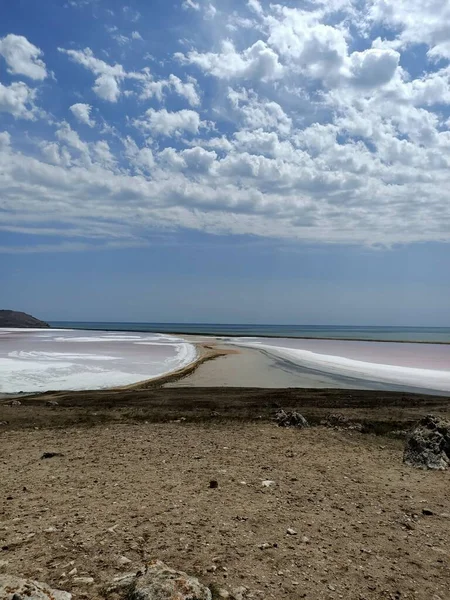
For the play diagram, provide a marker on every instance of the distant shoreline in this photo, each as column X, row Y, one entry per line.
column 212, row 334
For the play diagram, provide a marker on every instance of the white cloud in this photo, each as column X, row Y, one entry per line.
column 256, row 113
column 5, row 140
column 187, row 4
column 416, row 22
column 18, row 100
column 22, row 57
column 135, row 35
column 156, row 88
column 294, row 135
column 207, row 9
column 107, row 88
column 188, row 90
column 140, row 158
column 373, row 67
column 307, row 44
column 163, row 122
column 102, row 153
column 255, row 6
column 257, row 62
column 51, row 152
column 108, row 76
column 82, row 112
column 198, row 159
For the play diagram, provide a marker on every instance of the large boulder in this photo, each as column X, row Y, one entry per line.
column 290, row 419
column 15, row 588
column 428, row 445
column 159, row 582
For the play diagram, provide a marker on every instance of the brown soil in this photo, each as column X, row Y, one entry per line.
column 136, row 485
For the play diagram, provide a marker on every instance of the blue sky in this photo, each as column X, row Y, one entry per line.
column 226, row 161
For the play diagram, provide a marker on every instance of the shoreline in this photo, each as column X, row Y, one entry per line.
column 251, row 366
column 269, row 336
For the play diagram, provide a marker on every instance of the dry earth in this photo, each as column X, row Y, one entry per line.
column 141, row 491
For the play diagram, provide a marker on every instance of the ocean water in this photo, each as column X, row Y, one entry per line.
column 38, row 360
column 398, row 334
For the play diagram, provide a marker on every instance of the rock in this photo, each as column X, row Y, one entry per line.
column 268, row 483
column 121, row 584
column 51, row 403
column 26, row 589
column 290, row 419
column 239, row 593
column 123, row 561
column 213, row 484
column 428, row 445
column 15, row 403
column 83, row 580
column 265, row 546
column 340, row 421
column 305, row 539
column 51, row 455
column 291, row 531
column 427, row 512
column 160, row 582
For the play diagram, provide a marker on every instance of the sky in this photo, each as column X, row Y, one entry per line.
column 226, row 161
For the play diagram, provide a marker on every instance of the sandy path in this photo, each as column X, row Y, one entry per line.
column 254, row 368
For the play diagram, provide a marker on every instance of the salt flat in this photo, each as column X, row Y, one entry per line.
column 34, row 360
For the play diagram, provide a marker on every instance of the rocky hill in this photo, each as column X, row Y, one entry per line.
column 12, row 318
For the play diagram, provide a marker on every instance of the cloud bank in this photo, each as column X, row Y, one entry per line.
column 328, row 124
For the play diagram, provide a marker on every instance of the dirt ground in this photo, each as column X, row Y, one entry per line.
column 141, row 490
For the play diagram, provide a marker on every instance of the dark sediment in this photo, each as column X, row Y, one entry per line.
column 378, row 411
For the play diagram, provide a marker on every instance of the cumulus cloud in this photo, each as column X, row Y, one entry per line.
column 82, row 112
column 305, row 127
column 141, row 159
column 22, row 57
column 258, row 62
column 156, row 88
column 108, row 77
column 18, row 100
column 307, row 44
column 415, row 22
column 163, row 122
column 373, row 67
column 256, row 113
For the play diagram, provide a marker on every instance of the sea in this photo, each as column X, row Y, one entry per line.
column 334, row 332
